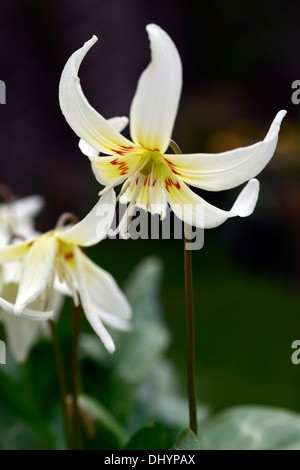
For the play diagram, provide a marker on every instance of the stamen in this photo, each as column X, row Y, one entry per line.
column 111, row 186
column 123, row 226
column 151, row 197
column 124, row 189
column 60, row 271
column 137, row 172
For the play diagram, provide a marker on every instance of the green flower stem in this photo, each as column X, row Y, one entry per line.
column 62, row 381
column 190, row 330
column 74, row 377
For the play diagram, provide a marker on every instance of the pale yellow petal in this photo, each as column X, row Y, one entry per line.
column 87, row 123
column 226, row 170
column 195, row 211
column 154, row 106
column 94, row 227
column 38, row 268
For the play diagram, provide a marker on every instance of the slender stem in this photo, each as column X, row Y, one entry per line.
column 175, row 147
column 190, row 333
column 190, row 330
column 65, row 217
column 74, row 377
column 61, row 380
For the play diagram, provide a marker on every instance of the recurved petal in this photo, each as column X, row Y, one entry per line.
column 89, row 306
column 154, row 106
column 14, row 251
column 226, row 170
column 195, row 211
column 26, row 313
column 118, row 123
column 101, row 298
column 38, row 268
column 94, row 227
column 87, row 123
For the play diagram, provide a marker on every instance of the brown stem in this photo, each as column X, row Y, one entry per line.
column 61, row 380
column 74, row 377
column 189, row 309
column 190, row 332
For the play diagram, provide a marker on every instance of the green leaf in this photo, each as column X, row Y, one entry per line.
column 17, row 400
column 97, row 414
column 187, row 441
column 149, row 337
column 252, row 428
column 161, row 399
column 149, row 437
column 139, row 351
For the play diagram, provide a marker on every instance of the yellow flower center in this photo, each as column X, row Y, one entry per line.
column 153, row 158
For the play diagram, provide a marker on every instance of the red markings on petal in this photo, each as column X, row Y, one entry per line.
column 69, row 256
column 169, row 182
column 171, row 166
column 122, row 150
column 147, row 180
column 123, row 168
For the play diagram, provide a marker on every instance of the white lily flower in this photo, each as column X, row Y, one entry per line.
column 16, row 217
column 22, row 333
column 149, row 174
column 57, row 253
column 16, row 220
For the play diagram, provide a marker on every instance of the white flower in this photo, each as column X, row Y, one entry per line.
column 22, row 333
column 150, row 174
column 57, row 253
column 16, row 218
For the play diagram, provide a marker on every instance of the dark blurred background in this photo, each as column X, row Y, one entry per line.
column 239, row 62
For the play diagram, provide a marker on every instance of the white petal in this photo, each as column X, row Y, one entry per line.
column 94, row 226
column 61, row 287
column 12, row 272
column 112, row 170
column 118, row 123
column 154, row 106
column 115, row 322
column 103, row 288
column 38, row 269
column 101, row 298
column 27, row 207
column 26, row 313
column 82, row 118
column 227, row 170
column 89, row 307
column 21, row 334
column 195, row 211
column 246, row 200
column 11, row 252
